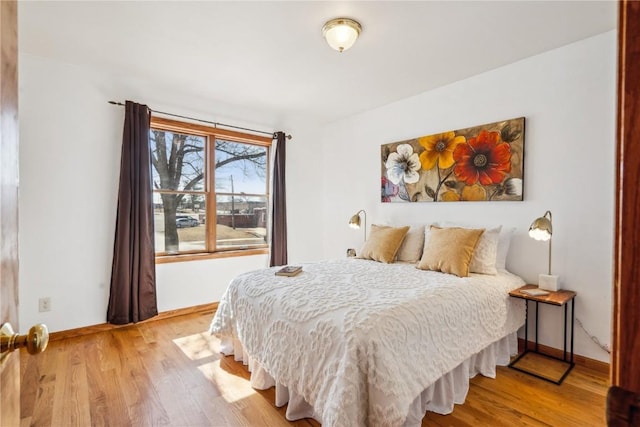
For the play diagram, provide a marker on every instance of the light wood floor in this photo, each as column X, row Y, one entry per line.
column 169, row 372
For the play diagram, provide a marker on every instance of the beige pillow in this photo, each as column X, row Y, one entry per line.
column 450, row 250
column 383, row 243
column 486, row 251
column 412, row 245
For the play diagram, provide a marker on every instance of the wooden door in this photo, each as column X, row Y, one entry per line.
column 10, row 366
column 625, row 369
column 623, row 400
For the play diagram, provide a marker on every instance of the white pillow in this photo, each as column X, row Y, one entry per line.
column 485, row 255
column 427, row 232
column 412, row 245
column 504, row 241
column 484, row 260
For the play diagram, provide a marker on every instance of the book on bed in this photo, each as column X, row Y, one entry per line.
column 289, row 270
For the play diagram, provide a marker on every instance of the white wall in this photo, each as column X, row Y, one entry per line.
column 568, row 98
column 70, row 151
column 70, row 140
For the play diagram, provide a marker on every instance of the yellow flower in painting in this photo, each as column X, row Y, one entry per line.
column 470, row 193
column 450, row 196
column 473, row 193
column 438, row 149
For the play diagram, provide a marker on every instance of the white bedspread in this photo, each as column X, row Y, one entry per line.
column 360, row 340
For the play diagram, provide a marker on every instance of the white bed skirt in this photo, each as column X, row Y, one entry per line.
column 439, row 397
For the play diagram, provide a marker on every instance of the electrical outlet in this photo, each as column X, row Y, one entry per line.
column 44, row 304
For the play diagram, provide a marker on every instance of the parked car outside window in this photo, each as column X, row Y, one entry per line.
column 187, row 221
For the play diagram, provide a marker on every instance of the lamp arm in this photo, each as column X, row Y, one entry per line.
column 365, row 223
column 549, row 256
column 550, row 222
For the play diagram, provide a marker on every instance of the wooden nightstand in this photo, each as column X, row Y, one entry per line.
column 558, row 298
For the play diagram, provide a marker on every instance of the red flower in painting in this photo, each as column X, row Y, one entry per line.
column 485, row 158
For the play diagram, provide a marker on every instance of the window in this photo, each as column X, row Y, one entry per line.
column 210, row 190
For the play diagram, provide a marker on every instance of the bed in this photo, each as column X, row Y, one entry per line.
column 354, row 342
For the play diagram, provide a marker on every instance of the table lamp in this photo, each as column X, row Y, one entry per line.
column 354, row 222
column 541, row 229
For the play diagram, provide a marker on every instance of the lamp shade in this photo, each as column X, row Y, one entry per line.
column 541, row 228
column 354, row 222
column 341, row 33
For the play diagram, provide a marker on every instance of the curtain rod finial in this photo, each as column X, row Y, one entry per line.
column 275, row 135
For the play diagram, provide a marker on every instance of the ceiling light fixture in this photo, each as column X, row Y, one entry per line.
column 341, row 33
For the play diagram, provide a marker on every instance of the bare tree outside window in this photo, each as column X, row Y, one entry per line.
column 178, row 169
column 183, row 189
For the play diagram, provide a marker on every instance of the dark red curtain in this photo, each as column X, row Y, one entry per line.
column 279, row 213
column 133, row 273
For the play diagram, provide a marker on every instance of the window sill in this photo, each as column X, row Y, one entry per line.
column 165, row 259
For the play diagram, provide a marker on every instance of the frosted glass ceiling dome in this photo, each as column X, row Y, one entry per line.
column 341, row 33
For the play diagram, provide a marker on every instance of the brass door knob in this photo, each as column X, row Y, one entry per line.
column 35, row 341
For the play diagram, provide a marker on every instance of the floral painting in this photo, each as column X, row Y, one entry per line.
column 473, row 164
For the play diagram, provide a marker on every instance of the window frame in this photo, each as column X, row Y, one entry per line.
column 210, row 134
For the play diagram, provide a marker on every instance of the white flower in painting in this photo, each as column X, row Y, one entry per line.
column 513, row 187
column 403, row 165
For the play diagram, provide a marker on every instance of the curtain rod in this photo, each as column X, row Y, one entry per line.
column 215, row 124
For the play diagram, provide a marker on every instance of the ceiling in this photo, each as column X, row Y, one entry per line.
column 270, row 56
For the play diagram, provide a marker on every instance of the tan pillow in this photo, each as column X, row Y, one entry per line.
column 383, row 243
column 485, row 253
column 450, row 250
